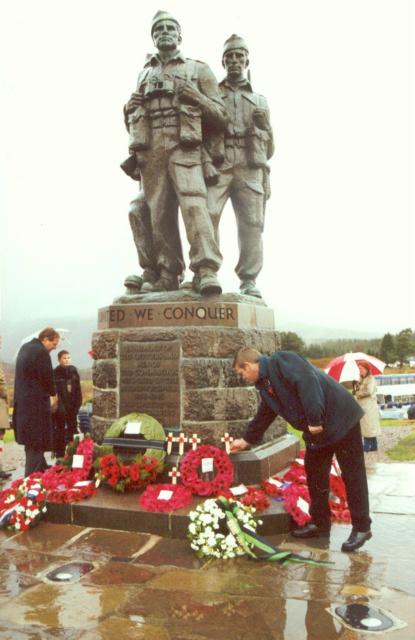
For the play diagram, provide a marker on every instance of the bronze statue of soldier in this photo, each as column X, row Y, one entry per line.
column 175, row 107
column 244, row 174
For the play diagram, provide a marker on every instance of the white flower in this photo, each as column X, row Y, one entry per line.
column 192, row 528
column 230, row 541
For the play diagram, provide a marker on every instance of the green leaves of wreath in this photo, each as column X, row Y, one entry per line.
column 150, row 428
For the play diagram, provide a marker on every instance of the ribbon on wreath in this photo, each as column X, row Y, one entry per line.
column 255, row 545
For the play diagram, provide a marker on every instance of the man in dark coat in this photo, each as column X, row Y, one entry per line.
column 68, row 387
column 33, row 387
column 329, row 418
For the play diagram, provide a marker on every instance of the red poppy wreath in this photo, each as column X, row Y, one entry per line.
column 206, row 460
column 165, row 497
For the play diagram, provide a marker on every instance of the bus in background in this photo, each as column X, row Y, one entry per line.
column 396, row 388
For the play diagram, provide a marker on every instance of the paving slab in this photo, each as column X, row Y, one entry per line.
column 147, row 586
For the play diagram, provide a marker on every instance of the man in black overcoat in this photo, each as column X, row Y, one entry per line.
column 68, row 388
column 329, row 418
column 33, row 387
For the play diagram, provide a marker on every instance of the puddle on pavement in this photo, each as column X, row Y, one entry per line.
column 13, row 583
column 108, row 542
column 28, row 561
column 113, row 573
column 71, row 572
column 170, row 551
column 63, row 606
column 45, row 537
column 127, row 629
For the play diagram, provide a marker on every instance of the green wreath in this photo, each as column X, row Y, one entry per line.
column 151, row 429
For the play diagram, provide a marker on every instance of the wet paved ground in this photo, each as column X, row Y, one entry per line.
column 146, row 587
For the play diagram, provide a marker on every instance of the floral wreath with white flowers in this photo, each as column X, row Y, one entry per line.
column 209, row 533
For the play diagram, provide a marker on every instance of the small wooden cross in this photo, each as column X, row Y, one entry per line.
column 174, row 474
column 170, row 439
column 227, row 439
column 181, row 439
column 194, row 440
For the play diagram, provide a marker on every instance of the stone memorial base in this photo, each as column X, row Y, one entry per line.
column 121, row 511
column 170, row 355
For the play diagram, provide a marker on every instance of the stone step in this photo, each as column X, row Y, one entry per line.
column 110, row 510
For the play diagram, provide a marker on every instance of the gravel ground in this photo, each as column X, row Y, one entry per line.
column 13, row 456
column 391, row 436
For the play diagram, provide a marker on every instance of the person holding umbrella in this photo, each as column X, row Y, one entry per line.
column 365, row 393
column 329, row 418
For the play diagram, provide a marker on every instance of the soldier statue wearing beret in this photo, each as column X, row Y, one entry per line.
column 244, row 174
column 175, row 107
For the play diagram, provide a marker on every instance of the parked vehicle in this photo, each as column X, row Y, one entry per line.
column 393, row 412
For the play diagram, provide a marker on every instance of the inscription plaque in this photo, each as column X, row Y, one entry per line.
column 149, row 380
column 186, row 314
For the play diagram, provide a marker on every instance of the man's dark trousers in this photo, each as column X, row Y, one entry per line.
column 349, row 454
column 35, row 461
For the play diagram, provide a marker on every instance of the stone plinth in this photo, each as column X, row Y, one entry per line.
column 170, row 355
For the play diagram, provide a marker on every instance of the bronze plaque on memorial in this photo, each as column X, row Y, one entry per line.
column 149, row 380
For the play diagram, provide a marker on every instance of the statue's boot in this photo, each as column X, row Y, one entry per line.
column 166, row 282
column 209, row 283
column 150, row 278
column 249, row 288
column 133, row 285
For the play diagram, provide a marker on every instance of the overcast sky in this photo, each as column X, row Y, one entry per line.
column 338, row 75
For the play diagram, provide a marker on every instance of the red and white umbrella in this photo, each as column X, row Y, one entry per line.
column 345, row 368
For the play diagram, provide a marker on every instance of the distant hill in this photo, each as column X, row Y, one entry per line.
column 77, row 340
column 316, row 334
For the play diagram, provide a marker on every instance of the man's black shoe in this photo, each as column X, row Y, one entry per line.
column 4, row 475
column 356, row 540
column 311, row 531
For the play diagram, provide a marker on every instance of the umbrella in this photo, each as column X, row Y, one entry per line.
column 345, row 368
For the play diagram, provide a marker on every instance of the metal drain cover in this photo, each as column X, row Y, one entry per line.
column 360, row 616
column 70, row 572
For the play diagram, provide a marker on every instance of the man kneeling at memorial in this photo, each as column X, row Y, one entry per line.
column 329, row 418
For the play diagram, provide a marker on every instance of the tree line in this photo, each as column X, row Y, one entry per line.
column 390, row 348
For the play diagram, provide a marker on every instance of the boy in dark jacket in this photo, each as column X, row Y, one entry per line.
column 329, row 418
column 68, row 387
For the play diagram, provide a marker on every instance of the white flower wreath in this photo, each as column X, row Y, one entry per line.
column 209, row 534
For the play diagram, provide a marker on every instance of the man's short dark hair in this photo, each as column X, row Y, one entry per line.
column 48, row 334
column 246, row 354
column 62, row 353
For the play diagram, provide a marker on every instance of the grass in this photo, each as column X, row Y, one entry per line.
column 8, row 436
column 295, row 432
column 397, row 423
column 404, row 450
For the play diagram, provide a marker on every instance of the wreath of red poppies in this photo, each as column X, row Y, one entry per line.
column 253, row 497
column 293, row 497
column 128, row 477
column 180, row 497
column 293, row 485
column 190, row 470
column 66, row 484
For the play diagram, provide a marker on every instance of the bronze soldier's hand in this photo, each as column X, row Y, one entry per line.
column 188, row 94
column 210, row 174
column 261, row 118
column 135, row 101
